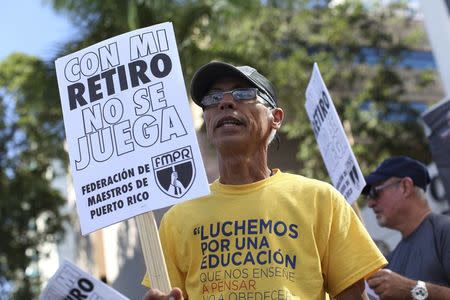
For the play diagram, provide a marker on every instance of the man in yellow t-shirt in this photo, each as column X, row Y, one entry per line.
column 261, row 233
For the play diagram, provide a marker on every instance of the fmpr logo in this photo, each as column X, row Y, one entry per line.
column 174, row 171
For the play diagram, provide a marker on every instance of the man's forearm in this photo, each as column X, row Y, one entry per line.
column 437, row 292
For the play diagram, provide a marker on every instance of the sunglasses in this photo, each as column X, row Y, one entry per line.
column 240, row 95
column 374, row 192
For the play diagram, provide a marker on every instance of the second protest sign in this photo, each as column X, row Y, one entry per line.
column 336, row 151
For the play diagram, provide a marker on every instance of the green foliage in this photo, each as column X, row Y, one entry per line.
column 30, row 140
column 285, row 42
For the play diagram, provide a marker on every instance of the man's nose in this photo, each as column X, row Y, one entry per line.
column 227, row 102
column 371, row 202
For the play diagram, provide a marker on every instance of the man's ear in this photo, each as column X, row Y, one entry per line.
column 278, row 116
column 407, row 185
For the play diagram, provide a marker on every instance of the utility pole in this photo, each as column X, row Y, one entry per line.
column 437, row 24
column 437, row 118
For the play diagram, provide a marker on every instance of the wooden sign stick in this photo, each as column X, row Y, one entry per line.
column 152, row 250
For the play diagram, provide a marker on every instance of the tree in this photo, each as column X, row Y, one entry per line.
column 29, row 141
column 285, row 38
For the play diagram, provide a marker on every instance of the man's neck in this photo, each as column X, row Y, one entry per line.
column 414, row 220
column 243, row 168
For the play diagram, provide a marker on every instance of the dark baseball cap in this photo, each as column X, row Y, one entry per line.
column 399, row 166
column 210, row 73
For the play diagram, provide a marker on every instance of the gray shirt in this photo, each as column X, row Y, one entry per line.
column 425, row 254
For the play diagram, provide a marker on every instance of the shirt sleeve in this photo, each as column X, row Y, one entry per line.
column 169, row 238
column 351, row 254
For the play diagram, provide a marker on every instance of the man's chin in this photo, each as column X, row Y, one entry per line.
column 229, row 141
column 381, row 221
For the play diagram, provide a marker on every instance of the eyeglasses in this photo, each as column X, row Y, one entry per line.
column 374, row 192
column 242, row 94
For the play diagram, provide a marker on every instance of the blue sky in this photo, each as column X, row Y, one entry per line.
column 32, row 27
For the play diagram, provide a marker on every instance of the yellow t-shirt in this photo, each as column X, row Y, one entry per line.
column 285, row 237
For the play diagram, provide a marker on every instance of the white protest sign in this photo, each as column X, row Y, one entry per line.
column 336, row 151
column 70, row 282
column 129, row 128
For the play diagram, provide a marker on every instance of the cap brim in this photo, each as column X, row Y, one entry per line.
column 372, row 179
column 210, row 73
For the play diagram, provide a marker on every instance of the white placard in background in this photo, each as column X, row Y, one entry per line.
column 336, row 151
column 70, row 282
column 129, row 128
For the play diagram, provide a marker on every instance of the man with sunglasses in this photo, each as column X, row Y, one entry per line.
column 419, row 266
column 261, row 233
